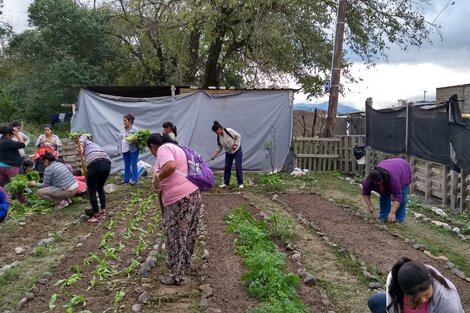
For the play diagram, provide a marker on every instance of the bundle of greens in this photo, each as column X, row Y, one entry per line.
column 19, row 183
column 139, row 138
column 76, row 135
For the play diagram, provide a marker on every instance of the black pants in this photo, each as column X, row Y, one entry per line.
column 238, row 157
column 98, row 173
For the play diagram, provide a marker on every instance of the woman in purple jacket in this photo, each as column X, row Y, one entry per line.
column 390, row 178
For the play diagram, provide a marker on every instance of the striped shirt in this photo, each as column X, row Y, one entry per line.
column 91, row 151
column 58, row 176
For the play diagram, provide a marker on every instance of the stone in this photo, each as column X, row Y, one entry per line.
column 21, row 303
column 147, row 286
column 19, row 250
column 146, row 280
column 110, row 188
column 427, row 219
column 275, row 197
column 42, row 281
column 111, row 214
column 302, row 273
column 456, row 230
column 332, row 244
column 447, row 227
column 442, row 259
column 205, row 254
column 325, row 238
column 460, row 274
column 22, row 223
column 437, row 223
column 289, row 247
column 449, row 265
column 30, row 296
column 212, row 310
column 80, row 244
column 321, row 234
column 136, row 308
column 369, row 275
column 206, row 290
column 35, row 290
column 407, row 240
column 144, row 297
column 140, row 290
column 204, row 303
column 296, row 257
column 418, row 215
column 153, row 253
column 151, row 263
column 429, row 254
column 462, row 237
column 310, row 280
column 419, row 247
column 375, row 285
column 47, row 275
column 454, row 270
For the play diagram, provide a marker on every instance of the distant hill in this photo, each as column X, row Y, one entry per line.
column 309, row 107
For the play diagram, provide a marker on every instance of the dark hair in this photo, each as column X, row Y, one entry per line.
column 159, row 139
column 48, row 126
column 216, row 126
column 77, row 172
column 48, row 156
column 409, row 278
column 378, row 174
column 60, row 160
column 130, row 118
column 15, row 124
column 6, row 130
column 170, row 125
column 27, row 163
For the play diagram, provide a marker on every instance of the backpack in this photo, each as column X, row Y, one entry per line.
column 227, row 132
column 199, row 172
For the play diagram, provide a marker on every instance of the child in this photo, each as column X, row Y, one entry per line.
column 27, row 167
column 4, row 204
column 78, row 175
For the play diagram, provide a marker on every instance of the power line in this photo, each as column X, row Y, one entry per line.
column 445, row 7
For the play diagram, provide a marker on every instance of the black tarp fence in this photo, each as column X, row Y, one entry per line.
column 424, row 132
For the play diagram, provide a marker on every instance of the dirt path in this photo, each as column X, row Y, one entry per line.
column 224, row 267
column 375, row 246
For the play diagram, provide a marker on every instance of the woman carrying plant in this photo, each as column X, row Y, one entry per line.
column 48, row 139
column 17, row 128
column 10, row 159
column 129, row 151
column 4, row 204
column 170, row 130
column 181, row 203
column 415, row 287
column 98, row 166
column 58, row 184
column 229, row 140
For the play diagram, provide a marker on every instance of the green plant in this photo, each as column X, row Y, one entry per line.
column 141, row 246
column 281, row 228
column 118, row 299
column 91, row 258
column 140, row 139
column 103, row 270
column 76, row 300
column 72, row 280
column 132, row 267
column 110, row 253
column 52, row 302
column 269, row 179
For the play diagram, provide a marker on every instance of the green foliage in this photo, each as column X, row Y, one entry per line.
column 269, row 179
column 52, row 302
column 17, row 184
column 140, row 139
column 35, row 206
column 266, row 279
column 76, row 300
column 33, row 176
column 72, row 280
column 281, row 228
column 118, row 299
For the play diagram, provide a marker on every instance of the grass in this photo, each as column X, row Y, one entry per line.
column 281, row 228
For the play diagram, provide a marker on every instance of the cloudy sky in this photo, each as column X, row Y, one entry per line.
column 406, row 75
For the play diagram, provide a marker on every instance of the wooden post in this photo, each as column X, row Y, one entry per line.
column 428, row 181
column 82, row 159
column 454, row 192
column 463, row 190
column 413, row 174
column 368, row 160
column 445, row 184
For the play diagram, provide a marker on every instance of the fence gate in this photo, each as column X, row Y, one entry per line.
column 316, row 154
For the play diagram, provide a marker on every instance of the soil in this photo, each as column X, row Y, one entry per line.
column 373, row 245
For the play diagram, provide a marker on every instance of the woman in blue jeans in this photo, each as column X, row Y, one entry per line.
column 415, row 287
column 390, row 178
column 129, row 151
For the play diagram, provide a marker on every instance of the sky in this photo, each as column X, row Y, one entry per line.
column 405, row 75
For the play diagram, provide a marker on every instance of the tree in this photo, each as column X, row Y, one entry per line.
column 214, row 42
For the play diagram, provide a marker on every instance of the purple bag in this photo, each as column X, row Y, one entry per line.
column 198, row 172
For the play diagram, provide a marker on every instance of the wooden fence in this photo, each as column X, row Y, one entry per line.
column 69, row 153
column 434, row 180
column 328, row 154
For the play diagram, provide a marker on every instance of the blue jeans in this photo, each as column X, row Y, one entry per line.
column 130, row 166
column 377, row 303
column 386, row 205
column 238, row 157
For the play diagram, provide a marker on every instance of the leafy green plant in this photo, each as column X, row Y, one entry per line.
column 76, row 300
column 141, row 246
column 33, row 176
column 269, row 179
column 17, row 184
column 110, row 253
column 104, row 270
column 132, row 267
column 72, row 280
column 91, row 258
column 266, row 279
column 140, row 139
column 52, row 302
column 118, row 299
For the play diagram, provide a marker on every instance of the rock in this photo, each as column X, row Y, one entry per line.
column 21, row 303
column 442, row 259
column 140, row 290
column 460, row 274
column 136, row 308
column 19, row 250
column 429, row 254
column 462, row 237
column 332, row 244
column 144, row 297
column 412, row 242
column 375, row 285
column 296, row 257
column 204, row 303
column 395, row 234
column 206, row 290
column 153, row 253
column 456, row 230
column 80, row 244
column 446, row 227
column 212, row 310
column 418, row 215
column 325, row 238
column 22, row 223
column 407, row 240
column 449, row 265
column 147, row 286
column 302, row 273
column 110, row 188
column 47, row 275
column 111, row 214
column 146, row 280
column 289, row 247
column 205, row 254
column 321, row 234
column 35, row 290
column 42, row 281
column 30, row 296
column 419, row 247
column 426, row 219
column 310, row 280
column 275, row 197
column 151, row 262
column 454, row 270
column 369, row 275
column 437, row 223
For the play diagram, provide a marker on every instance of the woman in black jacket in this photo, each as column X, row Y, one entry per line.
column 10, row 158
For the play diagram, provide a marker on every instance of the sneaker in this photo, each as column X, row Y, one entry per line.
column 223, row 186
column 62, row 204
column 93, row 220
column 69, row 200
column 241, row 186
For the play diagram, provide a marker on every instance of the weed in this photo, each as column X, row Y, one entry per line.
column 77, row 300
column 118, row 299
column 91, row 258
column 52, row 301
column 103, row 270
column 132, row 267
column 72, row 280
column 267, row 179
column 281, row 228
column 43, row 251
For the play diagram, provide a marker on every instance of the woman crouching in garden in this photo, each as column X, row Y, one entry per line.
column 58, row 185
column 181, row 203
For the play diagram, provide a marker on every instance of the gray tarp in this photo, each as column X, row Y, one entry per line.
column 260, row 117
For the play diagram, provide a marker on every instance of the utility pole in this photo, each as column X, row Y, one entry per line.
column 336, row 69
column 424, row 97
